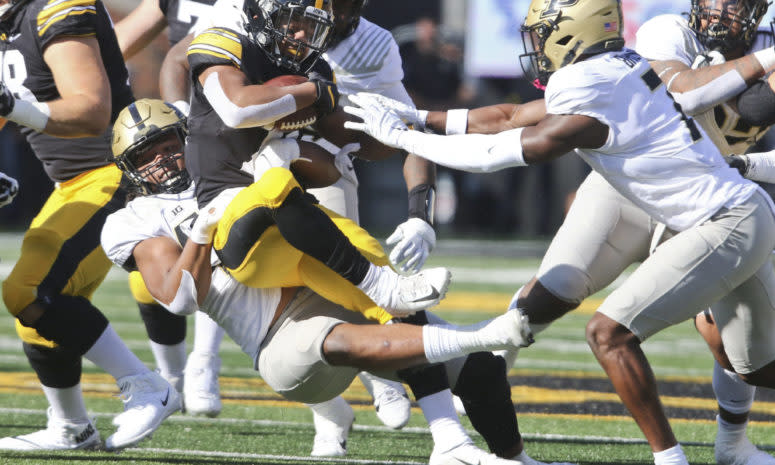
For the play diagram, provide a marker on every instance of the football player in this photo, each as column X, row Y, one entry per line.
column 708, row 62
column 62, row 73
column 167, row 331
column 9, row 187
column 150, row 234
column 605, row 102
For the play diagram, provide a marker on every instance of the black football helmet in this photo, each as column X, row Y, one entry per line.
column 346, row 22
column 138, row 127
column 274, row 25
column 727, row 29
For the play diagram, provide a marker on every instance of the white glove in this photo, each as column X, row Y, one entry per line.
column 275, row 153
column 408, row 113
column 378, row 121
column 9, row 187
column 414, row 239
column 708, row 59
column 344, row 164
column 205, row 225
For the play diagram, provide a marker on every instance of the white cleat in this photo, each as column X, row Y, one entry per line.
column 200, row 385
column 148, row 400
column 331, row 432
column 734, row 448
column 59, row 434
column 418, row 291
column 467, row 454
column 390, row 400
column 524, row 459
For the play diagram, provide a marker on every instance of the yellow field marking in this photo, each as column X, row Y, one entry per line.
column 497, row 302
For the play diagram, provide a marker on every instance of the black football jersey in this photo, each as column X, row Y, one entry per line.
column 214, row 151
column 182, row 15
column 22, row 41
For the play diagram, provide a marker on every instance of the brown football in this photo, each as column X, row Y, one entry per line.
column 300, row 118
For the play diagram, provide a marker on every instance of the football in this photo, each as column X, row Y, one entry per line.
column 300, row 118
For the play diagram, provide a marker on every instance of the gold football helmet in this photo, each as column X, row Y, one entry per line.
column 729, row 25
column 561, row 31
column 138, row 127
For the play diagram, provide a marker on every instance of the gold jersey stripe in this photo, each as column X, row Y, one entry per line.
column 58, row 10
column 218, row 42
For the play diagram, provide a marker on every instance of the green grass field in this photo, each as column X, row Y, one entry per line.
column 566, row 407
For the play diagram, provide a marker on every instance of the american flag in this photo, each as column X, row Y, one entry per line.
column 612, row 26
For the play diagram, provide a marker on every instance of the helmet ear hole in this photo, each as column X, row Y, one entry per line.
column 564, row 41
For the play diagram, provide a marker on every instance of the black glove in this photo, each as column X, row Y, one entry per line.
column 7, row 100
column 740, row 162
column 328, row 94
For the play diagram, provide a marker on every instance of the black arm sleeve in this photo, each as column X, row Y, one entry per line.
column 756, row 104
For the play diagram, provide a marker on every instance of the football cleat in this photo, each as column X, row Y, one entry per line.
column 200, row 384
column 467, row 454
column 734, row 448
column 331, row 431
column 405, row 295
column 390, row 400
column 59, row 434
column 148, row 400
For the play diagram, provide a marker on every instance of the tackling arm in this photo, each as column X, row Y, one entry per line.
column 493, row 119
column 173, row 77
column 139, row 28
column 178, row 279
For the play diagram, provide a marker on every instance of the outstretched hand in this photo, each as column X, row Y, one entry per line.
column 379, row 121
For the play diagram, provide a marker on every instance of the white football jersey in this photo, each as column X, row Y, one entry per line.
column 668, row 37
column 654, row 155
column 244, row 312
column 368, row 61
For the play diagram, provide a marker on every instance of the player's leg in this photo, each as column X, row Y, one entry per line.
column 735, row 398
column 708, row 260
column 277, row 199
column 49, row 288
column 166, row 333
column 333, row 420
column 201, row 388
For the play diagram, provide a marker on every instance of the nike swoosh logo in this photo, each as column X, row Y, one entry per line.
column 166, row 399
column 433, row 295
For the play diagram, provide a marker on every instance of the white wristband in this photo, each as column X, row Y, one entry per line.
column 34, row 115
column 457, row 122
column 766, row 58
column 182, row 106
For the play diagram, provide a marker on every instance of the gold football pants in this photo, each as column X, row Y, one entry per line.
column 267, row 260
column 61, row 251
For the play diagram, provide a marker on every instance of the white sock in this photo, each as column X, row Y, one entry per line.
column 443, row 421
column 170, row 359
column 445, row 342
column 379, row 283
column 112, row 355
column 207, row 334
column 673, row 456
column 733, row 394
column 67, row 403
column 731, row 430
column 332, row 416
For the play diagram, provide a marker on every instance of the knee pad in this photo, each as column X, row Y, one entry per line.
column 138, row 289
column 273, row 187
column 163, row 327
column 566, row 283
column 56, row 367
column 70, row 321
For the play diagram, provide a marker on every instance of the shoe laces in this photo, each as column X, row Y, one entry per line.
column 388, row 396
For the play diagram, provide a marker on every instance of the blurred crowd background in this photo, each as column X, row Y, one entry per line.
column 456, row 54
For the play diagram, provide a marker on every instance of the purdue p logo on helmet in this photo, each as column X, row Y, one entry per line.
column 137, row 128
column 559, row 32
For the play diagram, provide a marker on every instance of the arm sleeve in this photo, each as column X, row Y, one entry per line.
column 476, row 153
column 756, row 104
